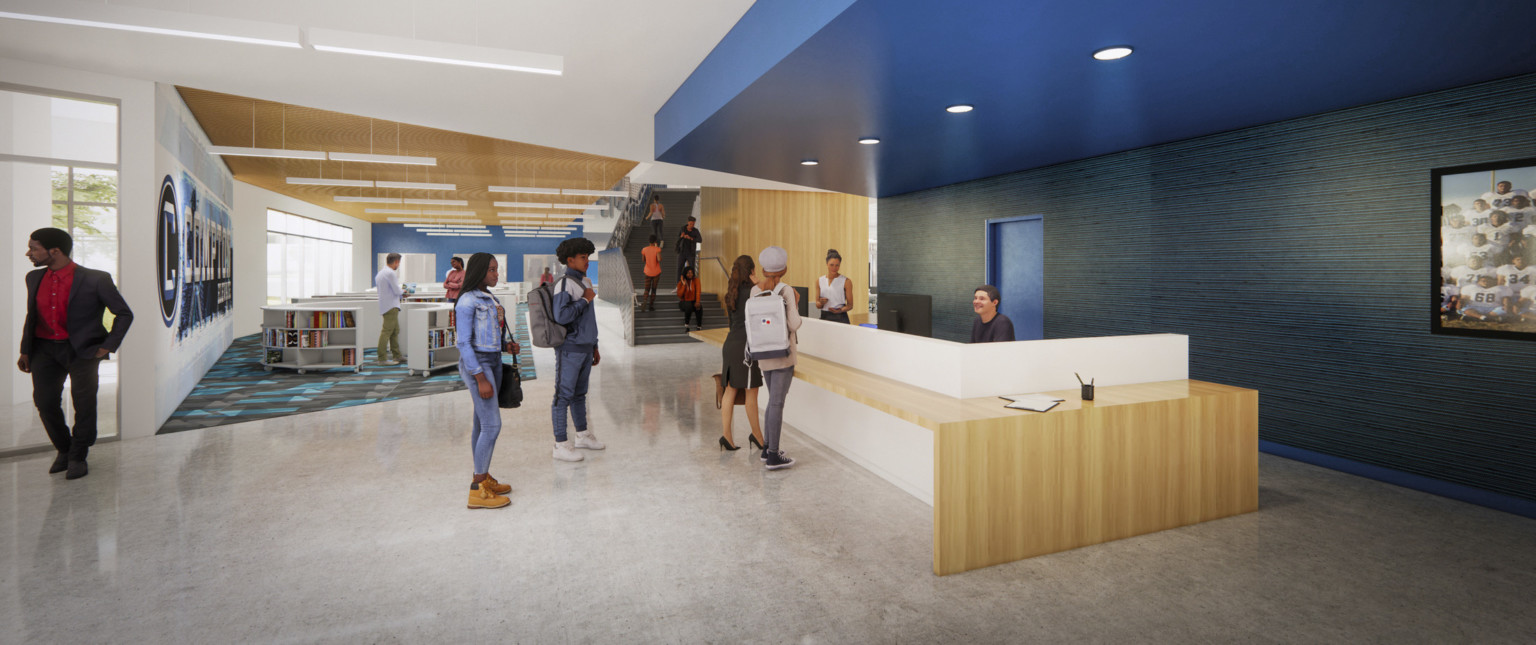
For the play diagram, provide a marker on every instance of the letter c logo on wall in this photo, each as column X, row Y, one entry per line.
column 168, row 251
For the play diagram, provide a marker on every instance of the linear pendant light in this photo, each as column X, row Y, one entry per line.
column 594, row 193
column 345, row 42
column 524, row 189
column 322, row 181
column 152, row 21
column 438, row 202
column 416, row 185
column 373, row 158
column 544, row 205
column 276, row 153
column 367, row 200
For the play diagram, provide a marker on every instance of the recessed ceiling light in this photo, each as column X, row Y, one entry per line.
column 152, row 21
column 330, row 40
column 1113, row 53
column 959, row 109
column 869, row 141
column 809, row 162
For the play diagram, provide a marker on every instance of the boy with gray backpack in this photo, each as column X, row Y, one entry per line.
column 773, row 318
column 561, row 316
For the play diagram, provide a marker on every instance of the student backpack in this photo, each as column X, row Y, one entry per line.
column 542, row 327
column 767, row 325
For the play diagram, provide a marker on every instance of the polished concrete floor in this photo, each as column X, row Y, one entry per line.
column 349, row 526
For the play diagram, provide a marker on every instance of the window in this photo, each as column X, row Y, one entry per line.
column 416, row 268
column 85, row 204
column 306, row 258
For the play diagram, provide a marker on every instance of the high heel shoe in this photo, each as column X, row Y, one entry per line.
column 726, row 445
column 752, row 438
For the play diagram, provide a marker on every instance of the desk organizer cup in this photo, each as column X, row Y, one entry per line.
column 1087, row 391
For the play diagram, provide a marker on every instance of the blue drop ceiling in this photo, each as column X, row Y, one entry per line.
column 888, row 68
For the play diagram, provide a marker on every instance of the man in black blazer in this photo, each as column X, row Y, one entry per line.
column 63, row 337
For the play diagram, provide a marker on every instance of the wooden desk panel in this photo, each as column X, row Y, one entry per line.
column 1017, row 487
column 1013, row 484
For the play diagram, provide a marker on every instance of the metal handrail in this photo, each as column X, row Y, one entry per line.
column 627, row 221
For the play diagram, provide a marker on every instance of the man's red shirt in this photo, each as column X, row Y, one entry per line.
column 53, row 303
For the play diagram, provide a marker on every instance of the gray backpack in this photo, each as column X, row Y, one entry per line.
column 767, row 325
column 543, row 329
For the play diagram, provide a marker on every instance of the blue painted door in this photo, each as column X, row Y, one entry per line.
column 1016, row 266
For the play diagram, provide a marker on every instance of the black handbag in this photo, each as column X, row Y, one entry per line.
column 511, row 393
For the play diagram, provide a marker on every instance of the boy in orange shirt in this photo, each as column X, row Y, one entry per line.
column 652, row 253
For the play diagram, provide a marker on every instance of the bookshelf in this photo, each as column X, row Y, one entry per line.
column 429, row 345
column 310, row 338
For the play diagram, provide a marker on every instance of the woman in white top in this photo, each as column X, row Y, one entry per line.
column 656, row 215
column 834, row 292
column 777, row 372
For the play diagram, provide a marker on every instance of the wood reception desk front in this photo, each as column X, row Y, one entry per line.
column 1153, row 450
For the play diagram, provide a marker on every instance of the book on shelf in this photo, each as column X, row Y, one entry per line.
column 348, row 357
column 440, row 338
column 274, row 356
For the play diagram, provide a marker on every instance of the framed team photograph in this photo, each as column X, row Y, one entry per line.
column 1484, row 249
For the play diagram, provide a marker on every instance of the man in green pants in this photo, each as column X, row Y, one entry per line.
column 388, row 283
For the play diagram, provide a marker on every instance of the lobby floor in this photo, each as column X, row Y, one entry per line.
column 350, row 526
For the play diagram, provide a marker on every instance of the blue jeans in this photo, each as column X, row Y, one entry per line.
column 487, row 425
column 778, row 389
column 573, row 371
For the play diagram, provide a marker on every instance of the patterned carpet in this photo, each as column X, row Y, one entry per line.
column 236, row 389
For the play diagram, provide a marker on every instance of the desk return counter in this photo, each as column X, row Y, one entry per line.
column 1153, row 450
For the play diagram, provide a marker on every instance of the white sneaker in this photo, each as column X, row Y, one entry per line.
column 565, row 452
column 588, row 441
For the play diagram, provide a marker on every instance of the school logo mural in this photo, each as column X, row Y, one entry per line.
column 168, row 251
column 207, row 266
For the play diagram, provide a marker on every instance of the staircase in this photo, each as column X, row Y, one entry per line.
column 665, row 324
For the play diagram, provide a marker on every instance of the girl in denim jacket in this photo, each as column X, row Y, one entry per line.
column 479, row 321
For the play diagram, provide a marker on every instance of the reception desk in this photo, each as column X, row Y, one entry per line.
column 1153, row 451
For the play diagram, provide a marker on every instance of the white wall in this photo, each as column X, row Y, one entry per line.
column 147, row 345
column 250, row 220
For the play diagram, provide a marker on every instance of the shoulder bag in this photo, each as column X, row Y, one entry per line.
column 511, row 393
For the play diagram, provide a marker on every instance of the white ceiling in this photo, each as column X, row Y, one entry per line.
column 622, row 61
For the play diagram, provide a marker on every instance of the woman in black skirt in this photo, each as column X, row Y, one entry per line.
column 735, row 373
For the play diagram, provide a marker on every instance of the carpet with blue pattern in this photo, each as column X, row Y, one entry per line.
column 236, row 389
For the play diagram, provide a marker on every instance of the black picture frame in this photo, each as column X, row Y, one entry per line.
column 1452, row 196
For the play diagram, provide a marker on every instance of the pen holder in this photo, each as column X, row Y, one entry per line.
column 1087, row 391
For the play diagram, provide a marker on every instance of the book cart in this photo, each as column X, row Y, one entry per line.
column 310, row 338
column 429, row 345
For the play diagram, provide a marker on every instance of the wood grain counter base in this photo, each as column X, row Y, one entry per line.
column 1011, row 484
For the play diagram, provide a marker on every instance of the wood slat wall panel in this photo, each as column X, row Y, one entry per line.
column 1295, row 255
column 744, row 222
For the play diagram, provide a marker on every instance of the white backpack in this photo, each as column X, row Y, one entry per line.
column 767, row 325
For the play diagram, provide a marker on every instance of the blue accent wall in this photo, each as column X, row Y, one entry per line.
column 1295, row 255
column 396, row 238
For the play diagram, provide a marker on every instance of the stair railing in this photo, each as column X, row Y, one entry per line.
column 615, row 286
column 632, row 214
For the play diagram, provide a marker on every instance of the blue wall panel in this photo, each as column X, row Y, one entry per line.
column 396, row 238
column 1295, row 255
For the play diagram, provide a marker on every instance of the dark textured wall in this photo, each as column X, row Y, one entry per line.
column 1295, row 256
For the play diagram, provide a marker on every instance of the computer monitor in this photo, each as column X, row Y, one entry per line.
column 906, row 313
column 804, row 294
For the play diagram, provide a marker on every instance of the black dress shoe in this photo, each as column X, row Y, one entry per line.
column 77, row 469
column 59, row 464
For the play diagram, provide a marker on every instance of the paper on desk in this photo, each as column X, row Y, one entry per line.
column 1036, row 402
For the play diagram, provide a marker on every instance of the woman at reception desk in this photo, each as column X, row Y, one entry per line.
column 1154, row 450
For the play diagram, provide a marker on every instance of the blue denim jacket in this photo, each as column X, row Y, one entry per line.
column 479, row 328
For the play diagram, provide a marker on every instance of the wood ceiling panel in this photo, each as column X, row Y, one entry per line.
column 471, row 162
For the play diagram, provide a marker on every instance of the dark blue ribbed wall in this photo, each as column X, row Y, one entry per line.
column 1295, row 256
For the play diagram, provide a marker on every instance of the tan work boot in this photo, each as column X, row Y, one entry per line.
column 480, row 496
column 496, row 487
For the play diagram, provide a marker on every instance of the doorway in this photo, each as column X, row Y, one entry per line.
column 1015, row 264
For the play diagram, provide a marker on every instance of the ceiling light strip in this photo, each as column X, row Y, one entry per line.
column 594, row 193
column 372, row 158
column 367, row 200
column 524, row 189
column 345, row 42
column 438, row 202
column 415, row 185
column 276, row 153
column 322, row 181
column 152, row 21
